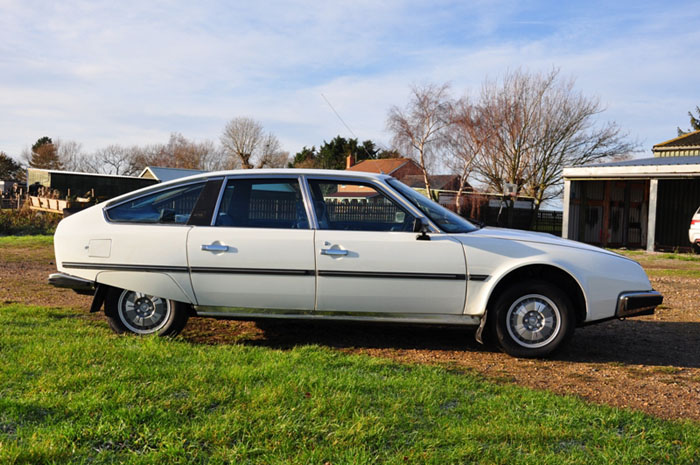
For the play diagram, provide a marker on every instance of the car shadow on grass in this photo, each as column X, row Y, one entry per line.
column 631, row 342
column 285, row 334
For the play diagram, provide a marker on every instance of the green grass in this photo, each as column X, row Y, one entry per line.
column 72, row 392
column 26, row 241
column 687, row 257
column 678, row 272
column 16, row 249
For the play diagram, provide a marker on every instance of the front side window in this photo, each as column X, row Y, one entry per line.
column 340, row 205
column 254, row 203
column 447, row 221
column 171, row 206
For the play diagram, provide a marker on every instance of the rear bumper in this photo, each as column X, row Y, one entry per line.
column 638, row 303
column 79, row 285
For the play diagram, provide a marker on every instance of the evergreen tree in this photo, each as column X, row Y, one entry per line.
column 9, row 168
column 694, row 122
column 45, row 155
column 333, row 155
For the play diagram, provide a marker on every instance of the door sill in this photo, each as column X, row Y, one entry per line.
column 241, row 313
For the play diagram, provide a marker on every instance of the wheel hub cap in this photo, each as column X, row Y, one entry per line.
column 533, row 320
column 141, row 313
column 144, row 307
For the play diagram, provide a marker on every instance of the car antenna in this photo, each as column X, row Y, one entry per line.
column 369, row 156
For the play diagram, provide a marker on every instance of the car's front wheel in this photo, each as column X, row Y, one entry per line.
column 134, row 312
column 533, row 319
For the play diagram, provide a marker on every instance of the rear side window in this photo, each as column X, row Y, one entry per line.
column 259, row 203
column 170, row 206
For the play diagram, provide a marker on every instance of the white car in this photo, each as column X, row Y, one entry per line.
column 317, row 244
column 694, row 231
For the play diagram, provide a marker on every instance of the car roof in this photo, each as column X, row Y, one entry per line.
column 248, row 173
column 285, row 171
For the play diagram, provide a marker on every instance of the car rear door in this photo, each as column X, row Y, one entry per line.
column 258, row 251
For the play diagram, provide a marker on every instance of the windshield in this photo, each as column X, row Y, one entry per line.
column 447, row 221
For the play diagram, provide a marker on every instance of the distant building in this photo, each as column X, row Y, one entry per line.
column 396, row 167
column 642, row 203
column 687, row 145
column 442, row 182
column 98, row 186
column 407, row 171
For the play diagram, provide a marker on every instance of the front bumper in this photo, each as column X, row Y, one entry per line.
column 638, row 303
column 79, row 285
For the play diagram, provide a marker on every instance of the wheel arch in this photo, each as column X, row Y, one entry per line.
column 548, row 273
column 102, row 290
column 153, row 283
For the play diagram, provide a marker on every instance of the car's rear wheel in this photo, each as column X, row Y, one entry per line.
column 138, row 313
column 533, row 319
column 696, row 247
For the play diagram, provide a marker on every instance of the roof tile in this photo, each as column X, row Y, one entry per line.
column 692, row 139
column 384, row 165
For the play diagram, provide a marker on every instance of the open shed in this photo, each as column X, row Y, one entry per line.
column 643, row 203
column 102, row 186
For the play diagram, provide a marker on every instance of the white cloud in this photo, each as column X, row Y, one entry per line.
column 132, row 72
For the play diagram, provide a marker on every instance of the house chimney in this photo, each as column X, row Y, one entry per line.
column 349, row 161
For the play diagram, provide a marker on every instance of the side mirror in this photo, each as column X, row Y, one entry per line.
column 420, row 225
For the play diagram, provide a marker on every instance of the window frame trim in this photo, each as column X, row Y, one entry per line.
column 163, row 188
column 380, row 187
column 290, row 177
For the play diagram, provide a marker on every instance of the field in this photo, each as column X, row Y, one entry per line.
column 230, row 392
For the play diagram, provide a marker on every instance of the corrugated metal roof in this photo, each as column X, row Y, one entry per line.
column 655, row 161
column 168, row 174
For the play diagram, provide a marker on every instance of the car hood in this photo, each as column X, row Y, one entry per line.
column 536, row 237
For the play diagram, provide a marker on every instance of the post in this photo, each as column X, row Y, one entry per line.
column 651, row 217
column 565, row 213
column 605, row 228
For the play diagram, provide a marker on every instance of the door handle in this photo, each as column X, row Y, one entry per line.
column 334, row 252
column 214, row 248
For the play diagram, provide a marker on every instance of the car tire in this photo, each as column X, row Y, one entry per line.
column 696, row 247
column 137, row 313
column 532, row 319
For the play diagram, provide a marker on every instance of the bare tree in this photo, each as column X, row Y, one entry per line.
column 418, row 129
column 178, row 152
column 271, row 154
column 248, row 146
column 541, row 125
column 468, row 133
column 70, row 153
column 117, row 160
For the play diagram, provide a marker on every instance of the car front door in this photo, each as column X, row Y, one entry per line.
column 369, row 260
column 258, row 253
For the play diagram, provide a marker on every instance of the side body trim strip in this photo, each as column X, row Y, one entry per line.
column 269, row 271
column 398, row 275
column 265, row 271
column 122, row 267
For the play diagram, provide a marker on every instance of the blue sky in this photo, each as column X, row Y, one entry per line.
column 133, row 72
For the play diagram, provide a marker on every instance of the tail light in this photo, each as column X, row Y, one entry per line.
column 694, row 222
